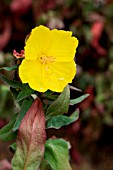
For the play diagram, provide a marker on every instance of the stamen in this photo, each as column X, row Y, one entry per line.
column 47, row 59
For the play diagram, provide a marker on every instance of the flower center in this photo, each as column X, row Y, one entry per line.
column 46, row 59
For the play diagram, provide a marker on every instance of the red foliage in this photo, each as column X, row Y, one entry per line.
column 20, row 6
column 88, row 102
column 5, row 165
column 31, row 137
column 96, row 31
column 6, row 34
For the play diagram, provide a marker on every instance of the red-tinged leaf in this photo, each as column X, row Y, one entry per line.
column 96, row 31
column 5, row 165
column 20, row 6
column 30, row 139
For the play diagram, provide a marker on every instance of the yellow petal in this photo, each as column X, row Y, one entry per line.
column 49, row 59
column 57, row 75
column 37, row 43
column 52, row 43
column 31, row 72
column 63, row 46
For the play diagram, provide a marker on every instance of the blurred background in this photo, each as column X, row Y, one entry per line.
column 91, row 21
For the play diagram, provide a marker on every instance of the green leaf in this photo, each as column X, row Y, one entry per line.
column 25, row 106
column 11, row 83
column 6, row 133
column 6, row 102
column 30, row 139
column 57, row 154
column 78, row 100
column 13, row 147
column 61, row 120
column 45, row 166
column 9, row 68
column 74, row 88
column 50, row 95
column 26, row 91
column 60, row 105
column 14, row 92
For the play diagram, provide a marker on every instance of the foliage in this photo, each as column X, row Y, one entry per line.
column 30, row 124
column 91, row 22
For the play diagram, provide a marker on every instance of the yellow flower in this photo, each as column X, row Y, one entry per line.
column 49, row 59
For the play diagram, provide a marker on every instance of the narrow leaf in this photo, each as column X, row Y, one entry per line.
column 57, row 154
column 13, row 147
column 25, row 106
column 60, row 105
column 14, row 92
column 30, row 139
column 78, row 100
column 26, row 91
column 6, row 133
column 61, row 120
column 11, row 83
column 9, row 68
column 74, row 88
column 50, row 95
